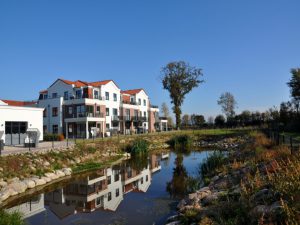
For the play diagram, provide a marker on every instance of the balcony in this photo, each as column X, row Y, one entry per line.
column 130, row 102
column 84, row 115
column 154, row 106
column 126, row 118
column 115, row 118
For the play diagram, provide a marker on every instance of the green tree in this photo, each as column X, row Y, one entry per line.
column 166, row 113
column 197, row 120
column 228, row 104
column 294, row 84
column 186, row 120
column 219, row 121
column 179, row 78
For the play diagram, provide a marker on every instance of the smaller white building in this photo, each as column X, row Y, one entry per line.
column 16, row 117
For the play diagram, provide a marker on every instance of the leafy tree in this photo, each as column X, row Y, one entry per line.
column 166, row 113
column 179, row 78
column 228, row 104
column 197, row 120
column 185, row 120
column 210, row 120
column 294, row 84
column 219, row 120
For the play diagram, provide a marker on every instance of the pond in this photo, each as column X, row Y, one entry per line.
column 137, row 191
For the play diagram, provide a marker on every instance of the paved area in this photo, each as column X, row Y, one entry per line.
column 42, row 147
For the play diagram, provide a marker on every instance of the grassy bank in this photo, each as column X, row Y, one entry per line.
column 257, row 184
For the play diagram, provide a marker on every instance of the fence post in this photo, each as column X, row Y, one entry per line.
column 291, row 144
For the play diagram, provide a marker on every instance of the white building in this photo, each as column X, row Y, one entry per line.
column 16, row 118
column 80, row 109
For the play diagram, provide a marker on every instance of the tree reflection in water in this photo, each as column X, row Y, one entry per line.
column 181, row 183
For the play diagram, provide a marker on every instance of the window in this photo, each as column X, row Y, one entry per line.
column 107, row 111
column 115, row 112
column 109, row 180
column 54, row 95
column 107, row 95
column 98, row 109
column 109, row 196
column 145, row 114
column 54, row 111
column 144, row 102
column 45, row 96
column 131, row 99
column 147, row 178
column 55, row 129
column 45, row 113
column 107, row 126
column 140, row 102
column 115, row 97
column 78, row 94
column 117, row 176
column 136, row 114
column 117, row 192
column 142, row 180
column 66, row 95
column 45, row 129
column 96, row 94
column 70, row 110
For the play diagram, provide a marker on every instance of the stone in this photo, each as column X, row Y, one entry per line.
column 3, row 184
column 18, row 186
column 60, row 173
column 52, row 176
column 67, row 171
column 39, row 181
column 30, row 183
column 181, row 204
column 47, row 179
column 46, row 164
column 193, row 195
column 4, row 194
column 259, row 210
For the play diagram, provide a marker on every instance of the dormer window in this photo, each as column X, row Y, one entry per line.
column 115, row 97
column 78, row 93
column 144, row 102
column 107, row 95
column 96, row 94
column 140, row 102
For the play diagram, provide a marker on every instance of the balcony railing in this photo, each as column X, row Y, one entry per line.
column 115, row 118
column 154, row 106
column 130, row 102
column 85, row 114
column 134, row 118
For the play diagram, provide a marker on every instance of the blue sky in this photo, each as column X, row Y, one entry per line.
column 244, row 47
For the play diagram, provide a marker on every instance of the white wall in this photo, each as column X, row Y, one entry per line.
column 111, row 88
column 60, row 87
column 49, row 121
column 33, row 116
column 143, row 96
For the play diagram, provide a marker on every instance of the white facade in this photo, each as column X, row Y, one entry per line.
column 29, row 116
column 112, row 104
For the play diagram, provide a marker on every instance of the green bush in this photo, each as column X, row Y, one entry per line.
column 209, row 167
column 14, row 218
column 181, row 141
column 139, row 146
column 51, row 137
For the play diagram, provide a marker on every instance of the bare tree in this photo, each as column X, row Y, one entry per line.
column 228, row 104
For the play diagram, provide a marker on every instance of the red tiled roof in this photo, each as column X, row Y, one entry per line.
column 43, row 91
column 18, row 103
column 133, row 91
column 99, row 83
column 126, row 98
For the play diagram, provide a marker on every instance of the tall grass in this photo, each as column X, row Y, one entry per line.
column 211, row 165
column 181, row 142
column 14, row 218
column 138, row 147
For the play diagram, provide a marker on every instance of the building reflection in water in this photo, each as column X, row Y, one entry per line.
column 103, row 189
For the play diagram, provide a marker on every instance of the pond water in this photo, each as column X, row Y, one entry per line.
column 137, row 191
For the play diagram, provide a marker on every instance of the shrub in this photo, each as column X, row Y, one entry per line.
column 54, row 137
column 181, row 141
column 14, row 218
column 212, row 164
column 139, row 146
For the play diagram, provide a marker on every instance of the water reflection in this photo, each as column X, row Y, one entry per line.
column 101, row 190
